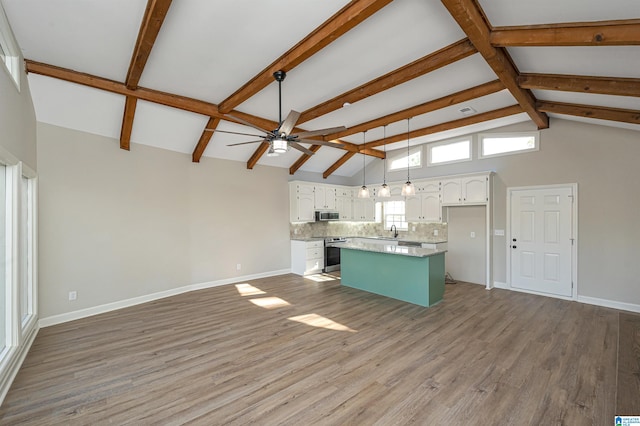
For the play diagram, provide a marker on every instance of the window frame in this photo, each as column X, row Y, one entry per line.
column 403, row 154
column 483, row 136
column 11, row 60
column 399, row 223
column 432, row 145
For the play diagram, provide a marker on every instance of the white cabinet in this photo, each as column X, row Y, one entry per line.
column 325, row 198
column 344, row 204
column 465, row 190
column 364, row 209
column 307, row 257
column 425, row 206
column 301, row 202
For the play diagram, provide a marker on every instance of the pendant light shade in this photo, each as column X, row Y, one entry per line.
column 408, row 188
column 384, row 191
column 364, row 191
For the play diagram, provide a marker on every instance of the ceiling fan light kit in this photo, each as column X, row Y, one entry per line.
column 281, row 139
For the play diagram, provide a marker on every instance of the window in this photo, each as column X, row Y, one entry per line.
column 26, row 243
column 394, row 215
column 449, row 152
column 399, row 161
column 9, row 52
column 505, row 144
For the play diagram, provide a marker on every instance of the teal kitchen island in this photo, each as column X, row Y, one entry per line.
column 410, row 274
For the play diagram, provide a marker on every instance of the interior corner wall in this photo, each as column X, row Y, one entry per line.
column 466, row 257
column 605, row 163
column 116, row 225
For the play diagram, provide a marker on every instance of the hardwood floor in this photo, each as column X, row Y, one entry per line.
column 307, row 352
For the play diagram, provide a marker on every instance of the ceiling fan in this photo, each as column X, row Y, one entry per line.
column 281, row 139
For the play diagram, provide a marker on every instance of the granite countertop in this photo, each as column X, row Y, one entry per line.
column 308, row 239
column 391, row 249
column 429, row 241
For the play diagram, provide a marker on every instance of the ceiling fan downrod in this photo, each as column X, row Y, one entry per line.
column 279, row 76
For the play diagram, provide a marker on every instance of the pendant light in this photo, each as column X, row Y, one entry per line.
column 384, row 191
column 364, row 191
column 408, row 188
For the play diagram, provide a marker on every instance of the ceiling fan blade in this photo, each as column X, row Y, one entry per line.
column 320, row 132
column 300, row 148
column 244, row 143
column 289, row 123
column 325, row 143
column 246, row 123
column 232, row 133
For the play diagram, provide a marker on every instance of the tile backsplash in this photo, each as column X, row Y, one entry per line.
column 423, row 231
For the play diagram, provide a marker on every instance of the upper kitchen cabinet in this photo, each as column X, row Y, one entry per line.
column 344, row 203
column 465, row 190
column 364, row 209
column 301, row 202
column 325, row 197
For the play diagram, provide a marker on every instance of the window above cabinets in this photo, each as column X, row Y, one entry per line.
column 448, row 152
column 9, row 51
column 493, row 145
column 399, row 160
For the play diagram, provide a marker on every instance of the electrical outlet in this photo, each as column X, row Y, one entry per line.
column 413, row 229
column 238, row 267
column 473, row 234
column 295, row 231
column 435, row 232
column 73, row 295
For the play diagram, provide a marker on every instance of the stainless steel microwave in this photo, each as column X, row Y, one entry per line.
column 322, row 216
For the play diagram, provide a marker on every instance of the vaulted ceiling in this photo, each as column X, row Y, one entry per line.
column 161, row 73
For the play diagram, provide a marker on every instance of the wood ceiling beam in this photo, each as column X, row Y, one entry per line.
column 471, row 20
column 262, row 149
column 453, row 99
column 303, row 159
column 580, row 83
column 417, row 68
column 149, row 28
column 450, row 125
column 341, row 22
column 212, row 124
column 442, row 127
column 606, row 33
column 588, row 111
column 127, row 122
column 335, row 166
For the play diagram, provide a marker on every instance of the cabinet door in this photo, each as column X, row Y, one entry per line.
column 319, row 197
column 369, row 209
column 364, row 209
column 474, row 189
column 344, row 205
column 305, row 203
column 431, row 209
column 413, row 208
column 431, row 186
column 450, row 190
column 330, row 198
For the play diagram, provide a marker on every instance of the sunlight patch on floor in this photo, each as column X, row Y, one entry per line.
column 270, row 302
column 322, row 277
column 248, row 290
column 315, row 320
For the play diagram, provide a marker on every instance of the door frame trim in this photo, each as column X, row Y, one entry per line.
column 574, row 233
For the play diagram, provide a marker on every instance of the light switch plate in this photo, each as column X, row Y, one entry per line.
column 499, row 232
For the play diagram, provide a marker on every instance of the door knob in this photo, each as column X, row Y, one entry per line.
column 514, row 240
column 513, row 247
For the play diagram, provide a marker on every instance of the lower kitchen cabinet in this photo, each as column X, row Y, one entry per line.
column 307, row 257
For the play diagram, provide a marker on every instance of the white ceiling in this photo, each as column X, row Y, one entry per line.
column 208, row 49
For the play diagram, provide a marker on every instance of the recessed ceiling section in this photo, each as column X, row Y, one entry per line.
column 509, row 12
column 167, row 128
column 91, row 36
column 597, row 61
column 76, row 107
column 207, row 50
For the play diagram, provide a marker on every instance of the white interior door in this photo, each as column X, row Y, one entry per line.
column 541, row 241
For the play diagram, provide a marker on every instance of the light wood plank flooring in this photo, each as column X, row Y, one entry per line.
column 306, row 352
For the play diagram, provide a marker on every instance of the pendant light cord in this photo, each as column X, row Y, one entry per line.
column 408, row 149
column 364, row 166
column 384, row 171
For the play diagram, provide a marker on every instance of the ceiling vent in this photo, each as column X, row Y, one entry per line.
column 467, row 110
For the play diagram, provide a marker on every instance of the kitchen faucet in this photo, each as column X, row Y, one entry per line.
column 394, row 230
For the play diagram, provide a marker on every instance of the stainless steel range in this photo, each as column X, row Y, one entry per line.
column 332, row 253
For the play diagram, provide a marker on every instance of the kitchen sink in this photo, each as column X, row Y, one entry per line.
column 409, row 243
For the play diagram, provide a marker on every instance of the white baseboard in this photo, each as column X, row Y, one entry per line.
column 623, row 306
column 13, row 361
column 83, row 313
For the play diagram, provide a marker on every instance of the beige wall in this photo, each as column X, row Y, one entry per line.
column 605, row 163
column 115, row 225
column 466, row 259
